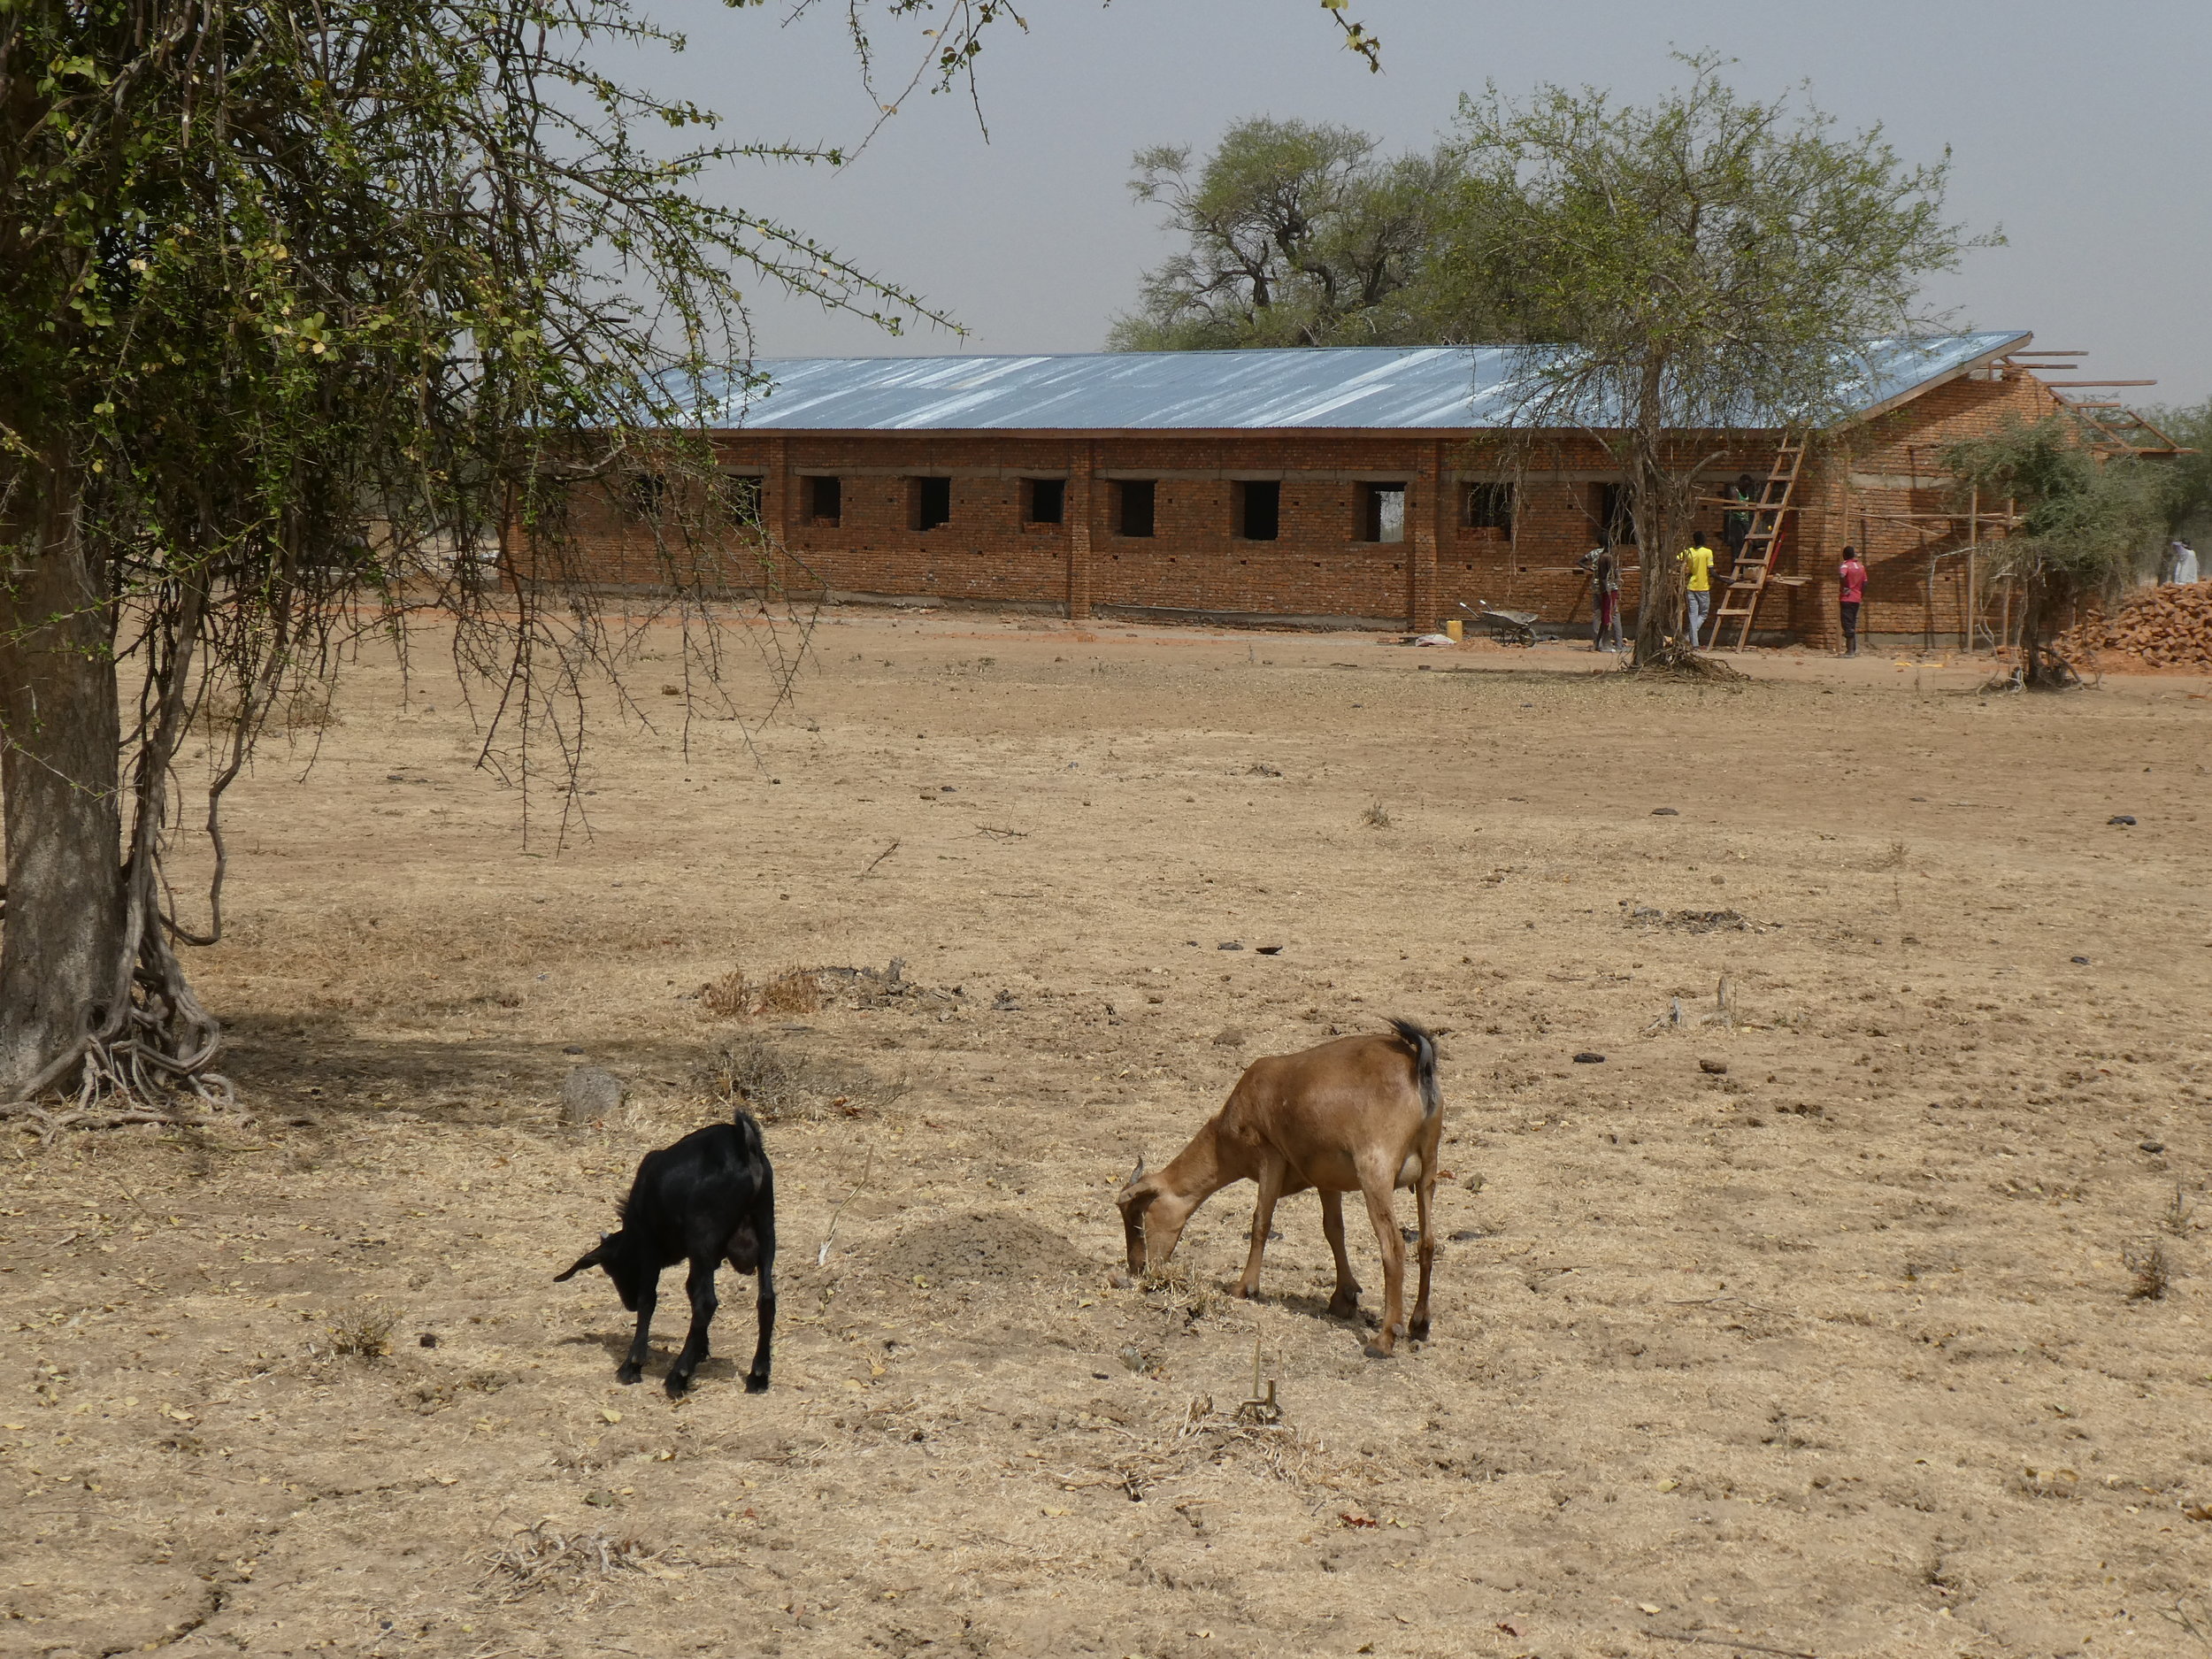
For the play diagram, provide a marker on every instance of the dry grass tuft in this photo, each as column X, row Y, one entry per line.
column 737, row 996
column 302, row 709
column 779, row 1083
column 364, row 1332
column 1376, row 815
column 1207, row 1438
column 2175, row 1217
column 2149, row 1271
column 541, row 1558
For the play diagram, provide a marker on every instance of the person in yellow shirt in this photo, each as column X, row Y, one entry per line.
column 1697, row 566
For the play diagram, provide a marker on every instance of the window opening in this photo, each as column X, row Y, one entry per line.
column 741, row 498
column 1259, row 509
column 1615, row 522
column 825, row 499
column 932, row 502
column 1490, row 507
column 1045, row 500
column 1133, row 503
column 645, row 492
column 1382, row 513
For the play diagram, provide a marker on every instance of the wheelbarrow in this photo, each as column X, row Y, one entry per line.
column 1510, row 627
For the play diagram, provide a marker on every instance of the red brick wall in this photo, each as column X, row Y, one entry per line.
column 1318, row 565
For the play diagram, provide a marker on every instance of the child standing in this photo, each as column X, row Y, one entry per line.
column 1851, row 590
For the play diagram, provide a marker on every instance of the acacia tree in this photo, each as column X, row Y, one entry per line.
column 1705, row 263
column 301, row 310
column 1296, row 233
column 2083, row 520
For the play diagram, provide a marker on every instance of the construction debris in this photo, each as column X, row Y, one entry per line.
column 2161, row 627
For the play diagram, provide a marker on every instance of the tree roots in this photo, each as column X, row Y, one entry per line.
column 1680, row 662
column 147, row 1064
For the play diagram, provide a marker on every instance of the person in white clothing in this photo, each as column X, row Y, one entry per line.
column 2181, row 561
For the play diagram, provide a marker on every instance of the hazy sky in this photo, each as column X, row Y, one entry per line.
column 2082, row 130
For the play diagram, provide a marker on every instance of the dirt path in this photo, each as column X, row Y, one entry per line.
column 1832, row 1351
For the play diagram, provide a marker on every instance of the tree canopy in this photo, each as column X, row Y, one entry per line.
column 1298, row 233
column 2082, row 522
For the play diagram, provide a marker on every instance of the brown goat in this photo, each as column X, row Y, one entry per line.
column 1362, row 1114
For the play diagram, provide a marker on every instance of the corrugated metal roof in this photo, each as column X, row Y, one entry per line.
column 1355, row 387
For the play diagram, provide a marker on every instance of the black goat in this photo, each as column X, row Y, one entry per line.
column 710, row 1198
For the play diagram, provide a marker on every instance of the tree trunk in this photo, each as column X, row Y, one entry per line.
column 1659, row 606
column 60, row 738
column 2041, row 668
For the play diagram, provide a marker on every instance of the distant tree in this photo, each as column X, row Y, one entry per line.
column 2083, row 521
column 2186, row 495
column 1298, row 234
column 1709, row 261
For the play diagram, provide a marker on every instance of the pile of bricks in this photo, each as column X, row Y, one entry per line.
column 2162, row 627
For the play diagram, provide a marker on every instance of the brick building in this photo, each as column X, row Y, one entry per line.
column 1366, row 486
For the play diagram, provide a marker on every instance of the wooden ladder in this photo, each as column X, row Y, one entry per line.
column 1752, row 571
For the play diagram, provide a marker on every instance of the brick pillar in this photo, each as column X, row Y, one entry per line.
column 1080, row 509
column 781, row 488
column 1428, row 521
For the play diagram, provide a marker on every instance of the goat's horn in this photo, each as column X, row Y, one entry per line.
column 1136, row 1174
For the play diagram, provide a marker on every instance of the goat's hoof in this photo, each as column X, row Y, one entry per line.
column 1376, row 1350
column 1418, row 1330
column 1120, row 1281
column 1344, row 1306
column 757, row 1383
column 677, row 1386
column 1252, row 1295
column 630, row 1374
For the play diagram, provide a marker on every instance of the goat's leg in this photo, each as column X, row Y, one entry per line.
column 1375, row 1186
column 1270, row 1178
column 757, row 1379
column 1345, row 1303
column 634, row 1367
column 1423, row 1191
column 700, row 1283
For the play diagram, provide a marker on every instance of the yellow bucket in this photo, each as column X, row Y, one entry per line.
column 1455, row 628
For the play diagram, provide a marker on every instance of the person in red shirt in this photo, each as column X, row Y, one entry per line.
column 1852, row 590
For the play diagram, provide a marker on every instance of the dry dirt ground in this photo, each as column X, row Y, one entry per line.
column 1832, row 1353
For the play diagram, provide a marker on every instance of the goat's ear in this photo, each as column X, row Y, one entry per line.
column 592, row 1258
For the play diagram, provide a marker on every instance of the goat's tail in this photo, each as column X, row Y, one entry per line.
column 748, row 1134
column 1424, row 1047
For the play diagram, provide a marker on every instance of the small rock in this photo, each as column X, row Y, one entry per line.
column 1228, row 944
column 1269, row 950
column 1130, row 1358
column 1229, row 1037
column 573, row 1049
column 1664, row 811
column 1464, row 1234
column 1589, row 1056
column 2081, row 961
column 1473, row 1183
column 2125, row 818
column 428, row 1338
column 600, row 1499
column 2154, row 1146
column 589, row 1094
column 1713, row 1068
